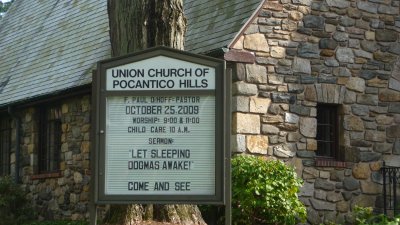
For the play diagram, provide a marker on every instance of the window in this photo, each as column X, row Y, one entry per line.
column 5, row 145
column 328, row 132
column 49, row 139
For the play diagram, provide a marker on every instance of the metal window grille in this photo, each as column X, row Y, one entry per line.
column 50, row 139
column 391, row 195
column 327, row 131
column 5, row 146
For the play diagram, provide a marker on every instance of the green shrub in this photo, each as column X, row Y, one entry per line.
column 14, row 207
column 265, row 192
column 365, row 216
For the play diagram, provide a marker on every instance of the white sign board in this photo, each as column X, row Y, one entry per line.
column 158, row 128
column 160, row 145
column 161, row 73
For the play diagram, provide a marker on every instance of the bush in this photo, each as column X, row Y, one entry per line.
column 365, row 216
column 265, row 192
column 14, row 208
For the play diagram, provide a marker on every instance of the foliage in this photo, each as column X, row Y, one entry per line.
column 4, row 6
column 265, row 192
column 58, row 222
column 365, row 216
column 14, row 207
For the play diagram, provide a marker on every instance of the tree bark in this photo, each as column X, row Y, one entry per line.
column 136, row 25
column 140, row 24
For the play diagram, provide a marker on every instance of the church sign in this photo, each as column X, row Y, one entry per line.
column 159, row 135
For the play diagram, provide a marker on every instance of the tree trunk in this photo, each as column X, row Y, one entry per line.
column 140, row 24
column 136, row 25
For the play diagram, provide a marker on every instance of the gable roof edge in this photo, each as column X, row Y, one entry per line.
column 248, row 22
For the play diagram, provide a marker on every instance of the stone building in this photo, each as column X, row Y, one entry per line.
column 315, row 84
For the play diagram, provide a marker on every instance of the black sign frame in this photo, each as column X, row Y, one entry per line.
column 98, row 130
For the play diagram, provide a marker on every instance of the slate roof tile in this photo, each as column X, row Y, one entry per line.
column 50, row 46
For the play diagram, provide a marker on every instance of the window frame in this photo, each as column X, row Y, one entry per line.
column 5, row 145
column 332, row 123
column 49, row 151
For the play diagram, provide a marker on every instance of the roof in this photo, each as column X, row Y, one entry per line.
column 47, row 47
column 50, row 46
column 213, row 24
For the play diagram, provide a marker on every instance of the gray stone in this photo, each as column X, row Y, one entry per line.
column 353, row 123
column 313, row 216
column 299, row 109
column 295, row 88
column 322, row 205
column 305, row 154
column 367, row 6
column 334, row 197
column 310, row 173
column 369, row 156
column 345, row 55
column 367, row 99
column 291, row 118
column 324, row 185
column 378, row 136
column 356, row 84
column 308, row 163
column 363, row 54
column 283, row 151
column 256, row 74
column 360, row 110
column 241, row 88
column 350, row 184
column 394, row 48
column 394, row 107
column 327, row 43
column 302, row 2
column 320, row 194
column 308, row 50
column 306, row 190
column 347, row 21
column 269, row 129
column 394, row 84
column 301, row 66
column 341, row 4
column 331, row 62
column 367, row 74
column 341, row 36
column 360, row 143
column 341, row 72
column 282, row 98
column 238, row 143
column 240, row 103
column 363, row 201
column 396, row 147
column 347, row 195
column 386, row 35
column 385, row 9
column 286, row 70
column 308, row 127
column 377, row 177
column 240, row 72
column 383, row 147
column 350, row 97
column 337, row 175
column 393, row 131
column 370, row 46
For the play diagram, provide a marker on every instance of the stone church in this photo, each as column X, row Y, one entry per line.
column 316, row 83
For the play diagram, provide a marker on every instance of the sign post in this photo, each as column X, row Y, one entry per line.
column 160, row 129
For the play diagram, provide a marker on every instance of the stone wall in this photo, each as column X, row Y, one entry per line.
column 63, row 195
column 307, row 52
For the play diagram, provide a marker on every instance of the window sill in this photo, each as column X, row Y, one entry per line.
column 327, row 162
column 46, row 175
